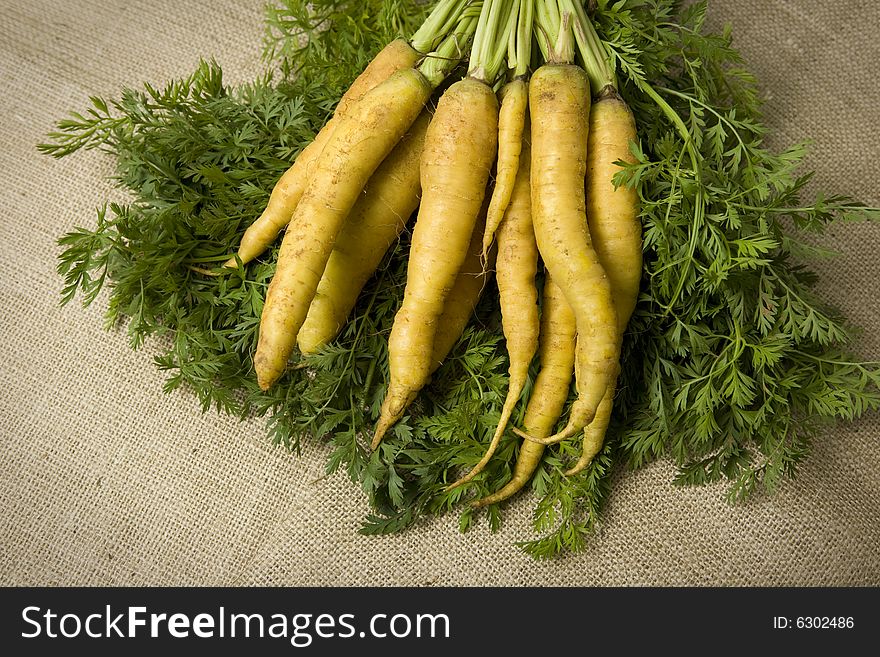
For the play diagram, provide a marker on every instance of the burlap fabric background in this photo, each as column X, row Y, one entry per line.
column 106, row 480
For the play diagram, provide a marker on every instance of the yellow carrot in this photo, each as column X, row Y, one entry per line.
column 511, row 119
column 361, row 141
column 515, row 270
column 462, row 298
column 556, row 352
column 613, row 215
column 375, row 222
column 459, row 151
column 289, row 189
column 559, row 103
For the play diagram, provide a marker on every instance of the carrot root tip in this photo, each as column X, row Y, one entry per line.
column 379, row 434
column 578, row 467
column 550, row 440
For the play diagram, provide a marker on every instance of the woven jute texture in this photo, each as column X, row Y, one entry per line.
column 105, row 480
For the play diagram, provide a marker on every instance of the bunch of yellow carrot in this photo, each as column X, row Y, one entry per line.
column 553, row 140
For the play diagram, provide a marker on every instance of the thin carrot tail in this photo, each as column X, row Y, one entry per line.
column 594, row 433
column 511, row 121
column 581, row 415
column 544, row 442
column 513, row 392
column 381, row 429
column 578, row 418
column 526, row 463
column 584, row 411
column 396, row 401
column 282, row 201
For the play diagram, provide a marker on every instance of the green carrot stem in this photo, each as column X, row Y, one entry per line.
column 438, row 24
column 592, row 51
column 438, row 64
column 523, row 39
column 490, row 41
